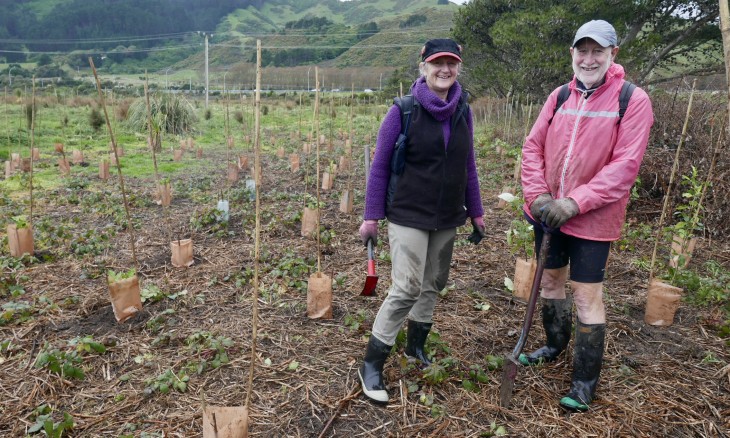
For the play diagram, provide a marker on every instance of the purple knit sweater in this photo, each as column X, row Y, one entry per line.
column 390, row 128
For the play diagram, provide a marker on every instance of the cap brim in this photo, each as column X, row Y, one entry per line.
column 600, row 40
column 440, row 54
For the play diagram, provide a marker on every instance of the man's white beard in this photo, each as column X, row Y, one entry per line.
column 580, row 74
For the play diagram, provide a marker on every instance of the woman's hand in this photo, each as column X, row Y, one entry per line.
column 369, row 230
column 479, row 232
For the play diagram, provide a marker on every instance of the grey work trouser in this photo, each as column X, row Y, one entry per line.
column 420, row 260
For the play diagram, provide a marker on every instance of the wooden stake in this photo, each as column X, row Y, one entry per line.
column 32, row 139
column 257, row 232
column 671, row 181
column 130, row 228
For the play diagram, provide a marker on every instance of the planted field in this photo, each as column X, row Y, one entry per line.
column 67, row 367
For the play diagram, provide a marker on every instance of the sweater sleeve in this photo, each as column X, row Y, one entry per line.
column 379, row 176
column 473, row 196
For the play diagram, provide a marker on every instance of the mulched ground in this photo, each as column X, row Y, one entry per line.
column 672, row 381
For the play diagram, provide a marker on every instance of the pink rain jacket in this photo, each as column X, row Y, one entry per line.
column 583, row 154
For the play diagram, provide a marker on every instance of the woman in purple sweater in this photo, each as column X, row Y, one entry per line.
column 436, row 191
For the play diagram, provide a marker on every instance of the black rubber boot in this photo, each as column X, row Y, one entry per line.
column 587, row 361
column 557, row 319
column 371, row 371
column 417, row 335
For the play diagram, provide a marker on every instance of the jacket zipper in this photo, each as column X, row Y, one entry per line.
column 572, row 144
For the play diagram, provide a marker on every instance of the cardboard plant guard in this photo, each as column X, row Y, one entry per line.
column 182, row 253
column 232, row 172
column 77, row 156
column 63, row 166
column 309, row 221
column 319, row 296
column 243, row 162
column 225, row 422
column 164, row 192
column 125, row 297
column 20, row 240
column 104, row 169
column 662, row 302
column 294, row 162
column 327, row 180
column 346, row 201
column 524, row 273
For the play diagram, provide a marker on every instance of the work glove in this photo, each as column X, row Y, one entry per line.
column 369, row 230
column 538, row 204
column 557, row 212
column 479, row 230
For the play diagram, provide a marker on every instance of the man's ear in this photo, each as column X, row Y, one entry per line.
column 614, row 52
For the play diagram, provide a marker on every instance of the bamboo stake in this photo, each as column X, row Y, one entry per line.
column 32, row 139
column 518, row 164
column 332, row 120
column 7, row 121
column 158, row 187
column 149, row 126
column 352, row 139
column 316, row 128
column 675, row 165
column 130, row 228
column 708, row 178
column 257, row 232
column 300, row 116
column 228, row 132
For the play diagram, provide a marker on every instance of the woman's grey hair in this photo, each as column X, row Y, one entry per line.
column 422, row 68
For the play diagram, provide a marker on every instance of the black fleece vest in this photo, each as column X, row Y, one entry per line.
column 430, row 193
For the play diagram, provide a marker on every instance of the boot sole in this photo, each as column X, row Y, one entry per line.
column 379, row 396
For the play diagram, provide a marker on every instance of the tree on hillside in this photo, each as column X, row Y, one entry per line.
column 524, row 45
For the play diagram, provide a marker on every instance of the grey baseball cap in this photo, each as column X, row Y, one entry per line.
column 599, row 31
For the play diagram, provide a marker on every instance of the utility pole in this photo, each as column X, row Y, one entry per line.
column 206, row 35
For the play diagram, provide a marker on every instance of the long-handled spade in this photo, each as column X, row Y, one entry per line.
column 509, row 369
column 372, row 279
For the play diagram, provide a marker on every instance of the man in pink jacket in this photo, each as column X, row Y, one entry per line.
column 579, row 163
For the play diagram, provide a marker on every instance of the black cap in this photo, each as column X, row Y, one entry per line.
column 440, row 47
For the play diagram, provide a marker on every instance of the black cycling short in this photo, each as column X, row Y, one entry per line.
column 587, row 258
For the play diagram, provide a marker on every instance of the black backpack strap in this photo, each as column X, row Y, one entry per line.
column 627, row 89
column 405, row 105
column 461, row 109
column 398, row 160
column 563, row 95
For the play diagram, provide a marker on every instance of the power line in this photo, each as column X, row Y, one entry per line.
column 178, row 35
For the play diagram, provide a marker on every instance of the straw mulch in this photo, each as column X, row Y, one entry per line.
column 672, row 381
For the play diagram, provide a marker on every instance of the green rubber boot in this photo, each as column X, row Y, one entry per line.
column 587, row 361
column 557, row 319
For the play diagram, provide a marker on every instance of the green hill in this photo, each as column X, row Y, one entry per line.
column 133, row 35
